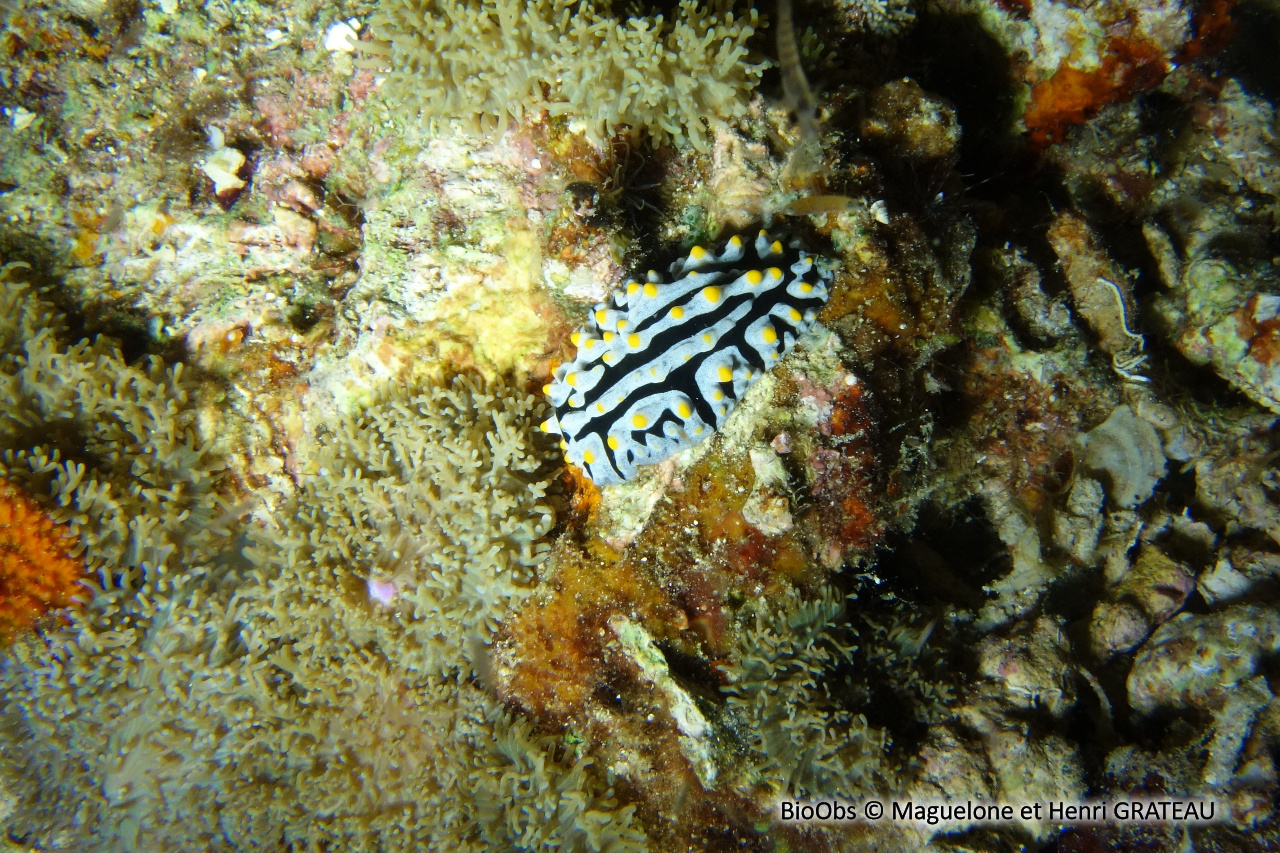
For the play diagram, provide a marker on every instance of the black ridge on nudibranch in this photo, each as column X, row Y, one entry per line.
column 662, row 362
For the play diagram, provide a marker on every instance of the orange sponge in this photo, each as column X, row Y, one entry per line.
column 37, row 571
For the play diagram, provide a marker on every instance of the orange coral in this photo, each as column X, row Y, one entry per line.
column 37, row 572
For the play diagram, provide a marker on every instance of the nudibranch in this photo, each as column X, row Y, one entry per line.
column 663, row 361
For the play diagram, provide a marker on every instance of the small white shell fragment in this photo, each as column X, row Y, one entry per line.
column 695, row 731
column 21, row 117
column 342, row 37
column 223, row 167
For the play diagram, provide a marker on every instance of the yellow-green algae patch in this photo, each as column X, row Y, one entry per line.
column 498, row 318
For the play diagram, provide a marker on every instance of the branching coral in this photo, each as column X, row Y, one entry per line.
column 489, row 61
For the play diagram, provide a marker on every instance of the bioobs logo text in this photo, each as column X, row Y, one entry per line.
column 822, row 810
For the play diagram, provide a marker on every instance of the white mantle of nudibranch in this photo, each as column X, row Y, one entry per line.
column 663, row 362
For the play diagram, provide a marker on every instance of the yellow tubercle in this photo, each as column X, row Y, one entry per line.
column 651, row 290
column 711, row 294
column 677, row 312
column 613, row 443
column 633, row 340
column 697, row 253
column 754, row 277
column 588, row 457
column 639, row 422
column 770, row 336
column 724, row 374
column 683, row 410
column 774, row 272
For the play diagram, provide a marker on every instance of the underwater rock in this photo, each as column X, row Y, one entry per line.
column 1157, row 584
column 1077, row 527
column 695, row 733
column 1032, row 665
column 1240, row 572
column 1101, row 292
column 988, row 754
column 1194, row 661
column 1210, row 665
column 1237, row 482
column 1211, row 230
column 1073, row 59
column 1128, row 452
column 1237, row 331
column 1017, row 592
column 1045, row 317
column 1149, row 594
column 1115, row 627
column 916, row 126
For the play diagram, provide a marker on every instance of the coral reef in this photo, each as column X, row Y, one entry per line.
column 494, row 61
column 1000, row 526
column 336, row 694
